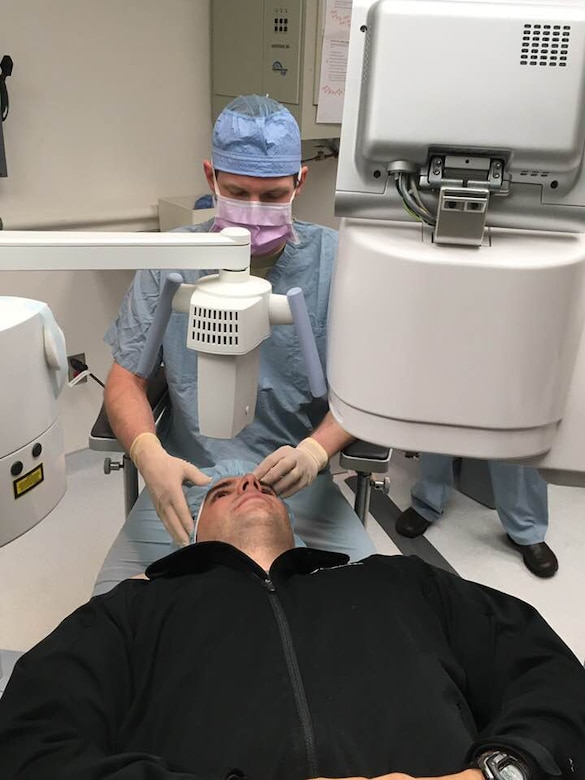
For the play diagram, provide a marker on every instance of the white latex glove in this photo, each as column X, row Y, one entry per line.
column 164, row 476
column 288, row 469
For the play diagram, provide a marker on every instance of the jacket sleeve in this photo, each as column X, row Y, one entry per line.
column 525, row 687
column 66, row 699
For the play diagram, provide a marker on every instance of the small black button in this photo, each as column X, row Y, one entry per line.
column 37, row 449
column 16, row 468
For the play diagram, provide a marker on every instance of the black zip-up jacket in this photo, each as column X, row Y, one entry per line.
column 319, row 668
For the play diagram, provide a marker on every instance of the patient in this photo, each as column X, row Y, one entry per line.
column 143, row 538
column 244, row 657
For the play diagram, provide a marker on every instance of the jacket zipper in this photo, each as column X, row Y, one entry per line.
column 295, row 676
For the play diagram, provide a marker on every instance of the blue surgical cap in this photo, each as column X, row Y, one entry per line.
column 195, row 494
column 256, row 136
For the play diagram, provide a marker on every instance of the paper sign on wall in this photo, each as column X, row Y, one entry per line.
column 334, row 61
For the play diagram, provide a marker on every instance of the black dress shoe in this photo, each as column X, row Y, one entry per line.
column 538, row 558
column 411, row 524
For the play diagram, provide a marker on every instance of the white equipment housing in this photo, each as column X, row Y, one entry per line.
column 32, row 460
column 230, row 315
column 229, row 319
column 481, row 106
column 34, row 359
column 433, row 78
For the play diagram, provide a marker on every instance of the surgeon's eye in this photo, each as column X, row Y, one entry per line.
column 238, row 193
column 271, row 197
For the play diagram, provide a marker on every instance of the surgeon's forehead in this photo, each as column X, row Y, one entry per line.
column 275, row 185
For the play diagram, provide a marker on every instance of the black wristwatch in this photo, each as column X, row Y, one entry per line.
column 497, row 765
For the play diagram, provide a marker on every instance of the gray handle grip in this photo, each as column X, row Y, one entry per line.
column 302, row 323
column 154, row 337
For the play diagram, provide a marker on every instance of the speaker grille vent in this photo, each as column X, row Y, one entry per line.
column 545, row 45
column 215, row 326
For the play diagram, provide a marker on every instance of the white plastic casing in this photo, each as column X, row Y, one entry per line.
column 229, row 317
column 430, row 77
column 447, row 349
column 482, row 93
column 479, row 345
column 32, row 459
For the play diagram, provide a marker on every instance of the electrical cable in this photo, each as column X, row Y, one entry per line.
column 413, row 190
column 95, row 379
column 332, row 146
column 84, row 372
column 78, row 378
column 6, row 66
column 411, row 203
column 406, row 181
column 318, row 158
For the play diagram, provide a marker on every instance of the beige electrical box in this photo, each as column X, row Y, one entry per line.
column 178, row 212
column 261, row 47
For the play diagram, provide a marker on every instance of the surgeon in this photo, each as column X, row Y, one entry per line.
column 521, row 500
column 255, row 173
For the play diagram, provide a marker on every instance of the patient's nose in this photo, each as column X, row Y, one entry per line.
column 249, row 482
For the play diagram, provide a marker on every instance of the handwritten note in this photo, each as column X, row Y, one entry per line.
column 334, row 61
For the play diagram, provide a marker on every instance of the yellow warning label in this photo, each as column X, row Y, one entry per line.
column 28, row 481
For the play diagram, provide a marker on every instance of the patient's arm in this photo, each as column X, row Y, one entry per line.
column 466, row 774
column 524, row 686
column 67, row 697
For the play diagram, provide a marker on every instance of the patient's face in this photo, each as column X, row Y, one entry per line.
column 240, row 509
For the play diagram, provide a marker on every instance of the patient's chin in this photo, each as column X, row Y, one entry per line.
column 258, row 515
column 260, row 519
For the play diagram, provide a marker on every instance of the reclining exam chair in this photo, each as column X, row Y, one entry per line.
column 361, row 457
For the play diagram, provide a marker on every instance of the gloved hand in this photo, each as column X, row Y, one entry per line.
column 288, row 469
column 164, row 476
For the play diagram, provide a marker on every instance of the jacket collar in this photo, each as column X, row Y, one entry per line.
column 207, row 555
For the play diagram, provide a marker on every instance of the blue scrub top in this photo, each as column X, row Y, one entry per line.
column 285, row 410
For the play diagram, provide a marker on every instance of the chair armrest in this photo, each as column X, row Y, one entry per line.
column 102, row 437
column 366, row 457
column 8, row 658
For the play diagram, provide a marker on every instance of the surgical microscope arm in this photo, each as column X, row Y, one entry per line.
column 32, row 462
column 228, row 356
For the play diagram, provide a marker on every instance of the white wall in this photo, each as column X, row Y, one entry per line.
column 109, row 107
column 316, row 202
column 109, row 110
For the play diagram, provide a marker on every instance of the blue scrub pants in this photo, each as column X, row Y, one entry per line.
column 520, row 495
column 322, row 518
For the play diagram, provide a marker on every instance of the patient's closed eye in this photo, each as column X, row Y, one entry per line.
column 219, row 494
column 228, row 488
